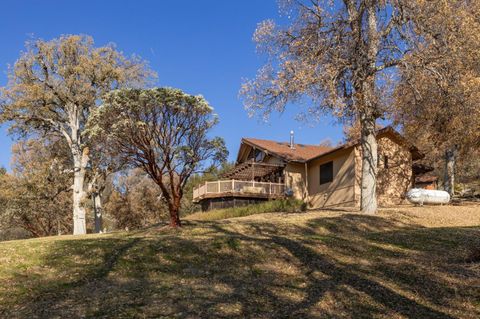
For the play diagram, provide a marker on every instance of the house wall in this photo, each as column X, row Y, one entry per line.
column 295, row 179
column 339, row 192
column 357, row 154
column 269, row 159
column 392, row 182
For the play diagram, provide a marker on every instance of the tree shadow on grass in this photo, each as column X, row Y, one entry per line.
column 338, row 267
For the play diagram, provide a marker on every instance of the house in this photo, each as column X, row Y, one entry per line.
column 319, row 175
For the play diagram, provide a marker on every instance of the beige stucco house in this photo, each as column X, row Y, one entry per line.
column 319, row 175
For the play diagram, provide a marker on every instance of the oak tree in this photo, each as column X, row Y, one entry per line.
column 437, row 98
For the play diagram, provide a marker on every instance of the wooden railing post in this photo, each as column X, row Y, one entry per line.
column 267, row 188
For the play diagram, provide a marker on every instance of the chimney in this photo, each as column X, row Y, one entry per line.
column 292, row 140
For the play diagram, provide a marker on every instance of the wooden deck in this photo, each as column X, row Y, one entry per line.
column 239, row 189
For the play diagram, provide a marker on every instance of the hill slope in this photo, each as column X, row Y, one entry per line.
column 403, row 263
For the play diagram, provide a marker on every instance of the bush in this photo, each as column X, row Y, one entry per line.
column 284, row 205
column 13, row 233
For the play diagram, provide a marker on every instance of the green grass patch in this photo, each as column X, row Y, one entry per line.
column 284, row 205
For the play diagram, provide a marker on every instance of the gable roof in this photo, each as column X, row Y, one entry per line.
column 426, row 179
column 300, row 153
column 386, row 131
column 305, row 153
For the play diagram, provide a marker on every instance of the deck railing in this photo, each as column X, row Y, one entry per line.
column 232, row 187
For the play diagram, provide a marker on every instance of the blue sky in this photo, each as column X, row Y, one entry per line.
column 202, row 47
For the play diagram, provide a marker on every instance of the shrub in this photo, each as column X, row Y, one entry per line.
column 284, row 205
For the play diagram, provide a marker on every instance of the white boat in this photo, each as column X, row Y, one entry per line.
column 427, row 196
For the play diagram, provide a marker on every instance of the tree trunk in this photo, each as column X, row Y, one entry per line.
column 368, row 115
column 369, row 165
column 449, row 178
column 80, row 160
column 175, row 219
column 174, row 209
column 97, row 211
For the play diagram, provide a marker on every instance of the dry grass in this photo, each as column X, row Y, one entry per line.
column 401, row 263
column 288, row 206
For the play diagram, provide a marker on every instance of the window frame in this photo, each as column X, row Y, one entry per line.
column 331, row 175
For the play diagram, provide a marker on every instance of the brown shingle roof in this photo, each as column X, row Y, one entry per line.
column 426, row 179
column 301, row 152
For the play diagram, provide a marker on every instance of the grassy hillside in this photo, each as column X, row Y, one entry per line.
column 402, row 263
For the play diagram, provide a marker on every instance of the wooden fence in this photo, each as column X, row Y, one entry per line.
column 232, row 187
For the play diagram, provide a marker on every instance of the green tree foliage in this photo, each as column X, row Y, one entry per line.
column 164, row 131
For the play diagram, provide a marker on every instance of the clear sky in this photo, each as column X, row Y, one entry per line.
column 202, row 47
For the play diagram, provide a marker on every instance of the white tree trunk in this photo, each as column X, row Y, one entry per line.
column 368, row 116
column 79, row 225
column 449, row 178
column 80, row 156
column 369, row 166
column 97, row 210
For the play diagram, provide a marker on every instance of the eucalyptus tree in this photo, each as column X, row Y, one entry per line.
column 164, row 131
column 338, row 56
column 54, row 86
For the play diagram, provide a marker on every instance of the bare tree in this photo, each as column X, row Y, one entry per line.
column 135, row 201
column 164, row 131
column 36, row 195
column 339, row 55
column 55, row 85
